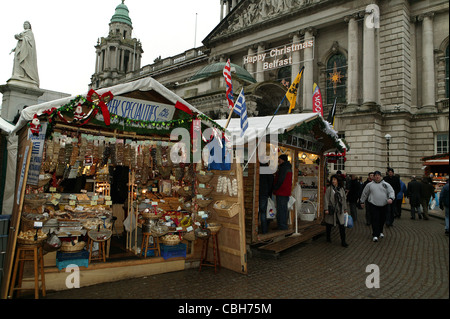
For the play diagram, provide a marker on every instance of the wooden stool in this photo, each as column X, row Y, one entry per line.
column 32, row 253
column 216, row 253
column 155, row 246
column 101, row 250
column 99, row 237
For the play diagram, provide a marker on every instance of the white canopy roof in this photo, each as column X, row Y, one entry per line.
column 145, row 84
column 6, row 126
column 279, row 125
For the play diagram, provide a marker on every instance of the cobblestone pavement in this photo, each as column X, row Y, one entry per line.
column 413, row 261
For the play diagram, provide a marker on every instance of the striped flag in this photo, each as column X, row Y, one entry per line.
column 240, row 107
column 317, row 100
column 293, row 90
column 227, row 75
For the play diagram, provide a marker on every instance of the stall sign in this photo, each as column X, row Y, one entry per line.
column 304, row 142
column 36, row 154
column 140, row 110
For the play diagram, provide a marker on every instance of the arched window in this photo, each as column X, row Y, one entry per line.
column 336, row 79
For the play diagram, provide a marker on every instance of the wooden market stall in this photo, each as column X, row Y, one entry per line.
column 305, row 139
column 105, row 175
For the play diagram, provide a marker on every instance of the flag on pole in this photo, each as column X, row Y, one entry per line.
column 317, row 100
column 240, row 107
column 227, row 75
column 332, row 113
column 293, row 90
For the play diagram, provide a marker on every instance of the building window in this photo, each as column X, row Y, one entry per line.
column 442, row 143
column 446, row 72
column 336, row 73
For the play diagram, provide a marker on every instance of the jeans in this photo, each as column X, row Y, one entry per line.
column 378, row 214
column 282, row 212
column 446, row 218
column 263, row 214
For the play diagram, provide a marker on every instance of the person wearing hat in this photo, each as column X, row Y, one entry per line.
column 282, row 189
column 379, row 194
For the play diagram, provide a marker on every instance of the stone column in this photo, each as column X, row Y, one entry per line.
column 428, row 78
column 296, row 57
column 369, row 67
column 352, row 63
column 307, row 77
column 259, row 65
column 251, row 66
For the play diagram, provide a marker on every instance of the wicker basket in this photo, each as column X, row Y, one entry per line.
column 189, row 236
column 185, row 193
column 28, row 224
column 67, row 247
column 226, row 209
column 170, row 242
column 204, row 178
column 205, row 191
column 204, row 202
column 307, row 217
column 34, row 203
column 202, row 233
column 101, row 235
column 159, row 231
column 151, row 215
column 24, row 241
column 214, row 228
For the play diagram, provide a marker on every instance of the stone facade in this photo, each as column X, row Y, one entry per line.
column 395, row 72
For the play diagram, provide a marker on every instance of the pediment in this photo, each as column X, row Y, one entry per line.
column 249, row 14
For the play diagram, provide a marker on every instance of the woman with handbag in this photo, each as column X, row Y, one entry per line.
column 335, row 207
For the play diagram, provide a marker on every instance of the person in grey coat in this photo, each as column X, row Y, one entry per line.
column 380, row 194
column 414, row 193
column 335, row 204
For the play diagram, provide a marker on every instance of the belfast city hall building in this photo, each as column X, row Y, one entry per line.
column 384, row 63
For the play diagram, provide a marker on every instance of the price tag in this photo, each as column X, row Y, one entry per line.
column 202, row 173
column 167, row 218
column 95, row 197
column 107, row 197
column 57, row 196
column 190, row 228
column 155, row 190
column 72, row 203
column 72, row 197
column 38, row 224
column 154, row 203
column 93, row 202
column 108, row 203
column 179, row 228
column 199, row 196
column 201, row 213
column 201, row 185
column 198, row 224
column 147, row 200
column 186, row 188
column 55, row 202
column 52, row 189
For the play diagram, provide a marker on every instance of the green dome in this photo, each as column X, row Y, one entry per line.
column 214, row 68
column 121, row 14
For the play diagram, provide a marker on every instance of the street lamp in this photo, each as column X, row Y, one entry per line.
column 388, row 140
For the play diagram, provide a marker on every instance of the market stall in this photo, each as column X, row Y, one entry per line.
column 437, row 168
column 90, row 166
column 306, row 139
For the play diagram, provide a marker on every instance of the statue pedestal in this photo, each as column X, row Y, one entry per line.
column 16, row 95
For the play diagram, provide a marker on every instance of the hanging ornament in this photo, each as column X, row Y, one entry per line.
column 101, row 101
column 35, row 125
column 78, row 115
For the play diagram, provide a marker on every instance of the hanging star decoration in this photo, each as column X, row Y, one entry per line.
column 335, row 77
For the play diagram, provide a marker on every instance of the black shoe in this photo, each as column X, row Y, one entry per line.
column 344, row 245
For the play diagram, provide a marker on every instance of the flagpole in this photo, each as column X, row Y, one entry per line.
column 259, row 142
column 229, row 117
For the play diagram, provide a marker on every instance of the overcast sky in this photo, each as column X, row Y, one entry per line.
column 67, row 31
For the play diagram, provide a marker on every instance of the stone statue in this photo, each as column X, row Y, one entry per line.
column 25, row 59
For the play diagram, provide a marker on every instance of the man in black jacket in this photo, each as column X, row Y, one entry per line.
column 394, row 181
column 427, row 194
column 414, row 194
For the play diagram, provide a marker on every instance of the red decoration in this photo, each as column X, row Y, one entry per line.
column 35, row 125
column 101, row 101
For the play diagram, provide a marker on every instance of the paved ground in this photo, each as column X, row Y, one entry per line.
column 413, row 263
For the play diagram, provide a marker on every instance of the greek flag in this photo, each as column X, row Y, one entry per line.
column 241, row 109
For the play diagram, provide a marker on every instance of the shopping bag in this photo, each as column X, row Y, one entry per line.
column 291, row 202
column 348, row 221
column 433, row 204
column 271, row 209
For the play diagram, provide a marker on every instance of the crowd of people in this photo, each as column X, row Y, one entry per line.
column 380, row 197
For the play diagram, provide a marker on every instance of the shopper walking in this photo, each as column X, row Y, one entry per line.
column 443, row 203
column 282, row 189
column 427, row 194
column 379, row 194
column 394, row 181
column 367, row 207
column 400, row 197
column 335, row 207
column 354, row 192
column 414, row 194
